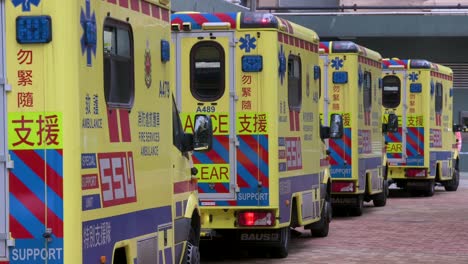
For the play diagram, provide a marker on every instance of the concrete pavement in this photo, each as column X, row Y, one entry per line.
column 408, row 229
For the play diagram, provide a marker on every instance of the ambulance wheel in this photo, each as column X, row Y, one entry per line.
column 193, row 254
column 381, row 198
column 358, row 208
column 452, row 185
column 430, row 189
column 321, row 228
column 281, row 251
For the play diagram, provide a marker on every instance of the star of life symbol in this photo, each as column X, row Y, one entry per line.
column 247, row 43
column 337, row 63
column 413, row 77
column 26, row 4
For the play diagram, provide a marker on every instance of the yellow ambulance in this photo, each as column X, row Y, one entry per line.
column 256, row 75
column 423, row 150
column 95, row 166
column 351, row 87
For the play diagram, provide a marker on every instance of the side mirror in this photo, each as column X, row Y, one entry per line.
column 203, row 133
column 336, row 126
column 392, row 124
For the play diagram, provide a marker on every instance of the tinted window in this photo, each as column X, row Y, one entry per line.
column 119, row 87
column 207, row 74
column 391, row 92
column 438, row 97
column 294, row 83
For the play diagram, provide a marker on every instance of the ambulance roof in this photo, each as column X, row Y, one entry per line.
column 244, row 20
column 348, row 47
column 415, row 64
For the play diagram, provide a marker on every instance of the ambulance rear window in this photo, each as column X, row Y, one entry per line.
column 207, row 72
column 391, row 92
column 119, row 84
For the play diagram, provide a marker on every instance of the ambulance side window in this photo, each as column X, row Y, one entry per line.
column 294, row 82
column 367, row 91
column 119, row 85
column 207, row 74
column 391, row 92
column 438, row 97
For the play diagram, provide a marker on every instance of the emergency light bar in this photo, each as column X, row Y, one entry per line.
column 258, row 20
column 396, row 66
column 33, row 29
column 216, row 25
column 420, row 64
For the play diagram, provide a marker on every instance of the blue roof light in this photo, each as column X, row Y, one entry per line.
column 33, row 29
column 317, row 72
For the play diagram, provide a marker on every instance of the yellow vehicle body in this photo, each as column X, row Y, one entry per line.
column 423, row 150
column 351, row 87
column 267, row 172
column 96, row 172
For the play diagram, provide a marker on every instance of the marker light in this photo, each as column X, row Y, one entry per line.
column 343, row 186
column 256, row 218
column 316, row 72
column 340, row 77
column 33, row 29
column 416, row 173
column 252, row 63
column 165, row 51
column 415, row 88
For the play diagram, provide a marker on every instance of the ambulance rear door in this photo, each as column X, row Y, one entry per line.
column 395, row 101
column 3, row 154
column 205, row 84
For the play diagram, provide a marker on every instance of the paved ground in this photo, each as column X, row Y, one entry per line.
column 409, row 230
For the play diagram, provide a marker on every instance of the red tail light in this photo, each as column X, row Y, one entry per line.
column 343, row 186
column 416, row 172
column 256, row 218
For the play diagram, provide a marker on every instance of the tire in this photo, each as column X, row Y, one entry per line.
column 282, row 250
column 380, row 199
column 430, row 189
column 192, row 255
column 358, row 208
column 452, row 185
column 322, row 227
